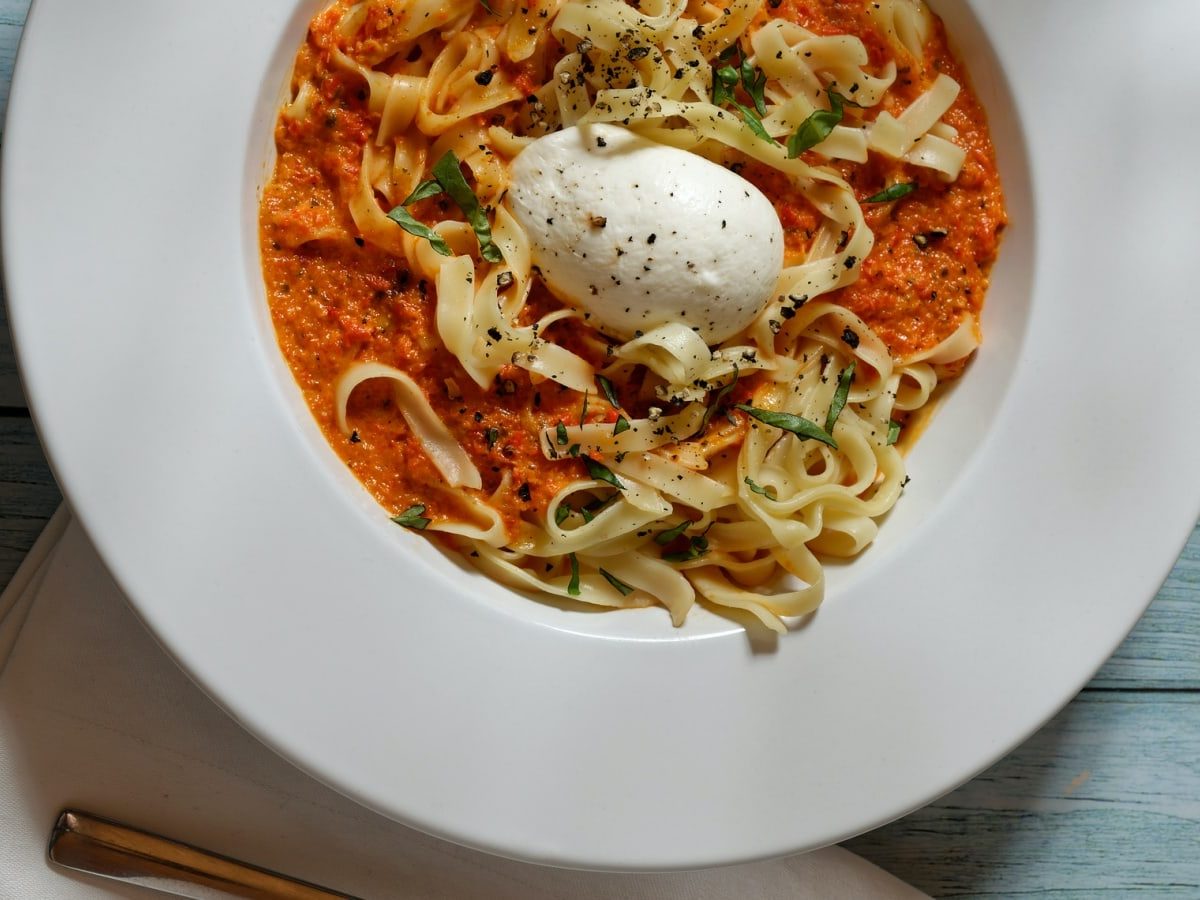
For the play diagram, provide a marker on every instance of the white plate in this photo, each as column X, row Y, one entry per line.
column 1049, row 498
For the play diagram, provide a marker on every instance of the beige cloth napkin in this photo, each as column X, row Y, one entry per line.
column 94, row 715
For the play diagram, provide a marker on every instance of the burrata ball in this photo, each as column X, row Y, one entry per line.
column 637, row 234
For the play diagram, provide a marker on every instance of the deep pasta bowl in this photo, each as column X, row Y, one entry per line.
column 1045, row 507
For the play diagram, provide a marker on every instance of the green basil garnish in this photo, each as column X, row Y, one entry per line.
column 616, row 582
column 621, row 426
column 601, row 472
column 665, row 537
column 561, row 433
column 817, row 127
column 754, row 80
column 562, row 514
column 573, row 584
column 696, row 549
column 405, row 220
column 768, row 491
column 607, row 389
column 840, row 396
column 596, row 507
column 797, row 425
column 895, row 192
column 725, row 79
column 717, row 401
column 753, row 121
column 413, row 517
column 422, row 191
column 893, row 432
column 448, row 173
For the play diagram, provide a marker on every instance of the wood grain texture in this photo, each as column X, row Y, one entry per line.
column 1103, row 802
column 11, row 395
column 28, row 494
column 12, row 18
column 1164, row 650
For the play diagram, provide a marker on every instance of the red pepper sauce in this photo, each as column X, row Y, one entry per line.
column 339, row 300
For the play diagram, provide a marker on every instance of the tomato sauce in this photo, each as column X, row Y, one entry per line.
column 340, row 300
column 934, row 250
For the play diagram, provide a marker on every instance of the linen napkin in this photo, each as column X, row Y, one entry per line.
column 94, row 715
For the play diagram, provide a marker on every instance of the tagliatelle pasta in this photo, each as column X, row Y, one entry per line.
column 523, row 426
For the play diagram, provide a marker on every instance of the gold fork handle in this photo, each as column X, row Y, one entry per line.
column 90, row 844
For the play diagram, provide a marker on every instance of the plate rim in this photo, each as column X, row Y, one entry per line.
column 50, row 410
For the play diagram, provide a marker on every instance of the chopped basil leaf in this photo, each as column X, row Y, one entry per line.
column 422, row 191
column 893, row 432
column 895, row 192
column 413, row 517
column 717, row 401
column 596, row 507
column 574, row 450
column 601, row 472
column 562, row 514
column 697, row 549
column 725, row 79
column 583, row 412
column 797, row 425
column 840, row 396
column 665, row 537
column 839, row 103
column 616, row 582
column 768, row 491
column 607, row 389
column 754, row 80
column 817, row 127
column 487, row 6
column 405, row 220
column 621, row 426
column 449, row 174
column 753, row 121
column 561, row 432
column 573, row 584
column 491, row 435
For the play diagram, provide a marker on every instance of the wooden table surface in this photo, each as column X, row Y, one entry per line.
column 1105, row 800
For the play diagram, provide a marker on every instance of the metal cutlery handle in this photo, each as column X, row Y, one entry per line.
column 102, row 847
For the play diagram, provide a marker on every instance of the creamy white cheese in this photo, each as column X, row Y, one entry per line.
column 637, row 234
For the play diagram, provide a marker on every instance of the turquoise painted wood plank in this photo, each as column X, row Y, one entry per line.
column 1164, row 650
column 1103, row 802
column 12, row 19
